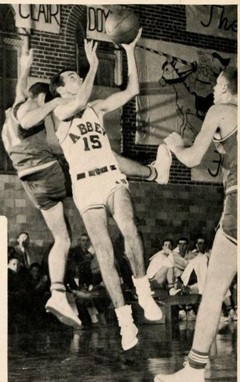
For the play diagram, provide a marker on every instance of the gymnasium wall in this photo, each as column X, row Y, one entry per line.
column 162, row 211
column 180, row 208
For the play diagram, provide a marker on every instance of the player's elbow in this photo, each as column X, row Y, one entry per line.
column 26, row 123
column 192, row 162
column 133, row 92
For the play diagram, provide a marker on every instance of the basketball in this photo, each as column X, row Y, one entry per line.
column 122, row 26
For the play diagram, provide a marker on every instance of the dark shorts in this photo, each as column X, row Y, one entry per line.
column 46, row 187
column 228, row 221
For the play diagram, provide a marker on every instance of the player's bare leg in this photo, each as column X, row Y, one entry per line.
column 57, row 304
column 221, row 270
column 120, row 205
column 102, row 244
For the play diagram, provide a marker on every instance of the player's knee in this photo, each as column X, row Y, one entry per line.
column 129, row 230
column 62, row 238
column 104, row 254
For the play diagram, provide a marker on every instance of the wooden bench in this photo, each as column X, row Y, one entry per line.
column 171, row 301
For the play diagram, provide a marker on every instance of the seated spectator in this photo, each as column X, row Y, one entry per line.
column 19, row 301
column 89, row 290
column 182, row 255
column 82, row 259
column 194, row 274
column 161, row 268
column 22, row 249
column 39, row 289
column 123, row 266
column 234, row 298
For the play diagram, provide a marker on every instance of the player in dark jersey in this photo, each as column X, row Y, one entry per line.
column 220, row 126
column 24, row 138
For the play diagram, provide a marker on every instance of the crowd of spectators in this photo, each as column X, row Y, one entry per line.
column 173, row 270
column 180, row 270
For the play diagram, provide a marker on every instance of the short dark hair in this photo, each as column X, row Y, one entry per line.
column 183, row 239
column 57, row 81
column 170, row 241
column 35, row 265
column 38, row 88
column 23, row 233
column 230, row 73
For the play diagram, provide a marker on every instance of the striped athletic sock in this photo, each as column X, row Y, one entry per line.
column 197, row 359
column 57, row 286
column 153, row 173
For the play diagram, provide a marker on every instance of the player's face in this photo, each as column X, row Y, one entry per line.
column 84, row 242
column 182, row 245
column 219, row 88
column 23, row 240
column 14, row 265
column 201, row 246
column 167, row 247
column 72, row 82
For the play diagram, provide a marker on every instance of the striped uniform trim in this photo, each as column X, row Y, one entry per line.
column 231, row 189
column 197, row 360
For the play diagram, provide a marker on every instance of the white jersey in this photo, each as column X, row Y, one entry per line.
column 85, row 143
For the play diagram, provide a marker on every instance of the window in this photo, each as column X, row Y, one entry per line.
column 10, row 43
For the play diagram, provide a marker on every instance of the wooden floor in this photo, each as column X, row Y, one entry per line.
column 56, row 353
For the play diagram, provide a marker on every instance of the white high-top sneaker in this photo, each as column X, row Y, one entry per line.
column 59, row 306
column 188, row 374
column 128, row 329
column 163, row 164
column 152, row 311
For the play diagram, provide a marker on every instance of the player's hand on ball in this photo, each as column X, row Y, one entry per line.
column 174, row 140
column 90, row 50
column 132, row 44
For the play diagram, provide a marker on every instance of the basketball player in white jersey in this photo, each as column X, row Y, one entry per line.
column 99, row 188
column 220, row 125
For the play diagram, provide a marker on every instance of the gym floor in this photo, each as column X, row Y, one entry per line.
column 57, row 353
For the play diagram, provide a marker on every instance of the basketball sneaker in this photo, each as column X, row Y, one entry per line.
column 162, row 164
column 128, row 330
column 59, row 306
column 152, row 311
column 174, row 291
column 188, row 374
column 129, row 336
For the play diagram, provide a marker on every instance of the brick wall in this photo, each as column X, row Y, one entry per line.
column 162, row 211
column 182, row 207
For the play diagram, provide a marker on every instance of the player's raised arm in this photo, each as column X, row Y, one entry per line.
column 30, row 114
column 78, row 101
column 192, row 156
column 119, row 99
column 26, row 60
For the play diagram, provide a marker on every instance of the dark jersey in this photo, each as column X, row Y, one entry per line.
column 27, row 148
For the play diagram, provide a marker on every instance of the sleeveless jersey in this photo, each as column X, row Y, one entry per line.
column 85, row 143
column 227, row 147
column 27, row 148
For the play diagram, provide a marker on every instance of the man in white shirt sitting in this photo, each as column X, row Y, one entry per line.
column 161, row 268
column 198, row 265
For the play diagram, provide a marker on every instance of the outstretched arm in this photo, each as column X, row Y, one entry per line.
column 26, row 60
column 119, row 99
column 30, row 114
column 192, row 156
column 81, row 99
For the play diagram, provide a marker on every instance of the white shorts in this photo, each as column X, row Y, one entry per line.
column 93, row 191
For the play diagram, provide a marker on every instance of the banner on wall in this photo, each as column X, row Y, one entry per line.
column 42, row 17
column 96, row 18
column 215, row 20
column 176, row 83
